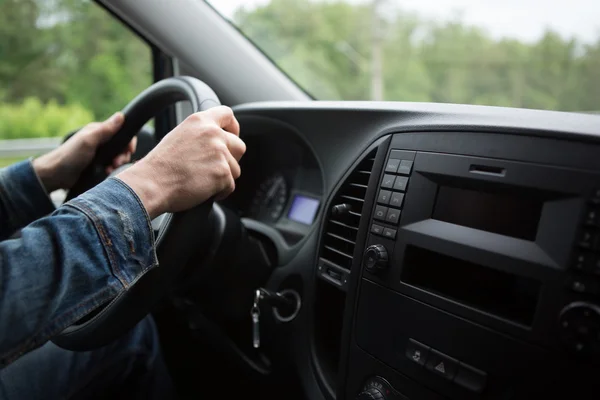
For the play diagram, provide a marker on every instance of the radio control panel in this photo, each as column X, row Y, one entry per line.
column 479, row 270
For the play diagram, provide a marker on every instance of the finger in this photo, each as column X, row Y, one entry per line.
column 132, row 145
column 121, row 159
column 236, row 171
column 99, row 133
column 236, row 146
column 112, row 124
column 224, row 117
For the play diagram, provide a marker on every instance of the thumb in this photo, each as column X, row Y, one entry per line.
column 108, row 128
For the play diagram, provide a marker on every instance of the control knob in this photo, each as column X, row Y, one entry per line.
column 579, row 325
column 371, row 394
column 375, row 258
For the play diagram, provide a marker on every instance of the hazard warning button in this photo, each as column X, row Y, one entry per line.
column 441, row 364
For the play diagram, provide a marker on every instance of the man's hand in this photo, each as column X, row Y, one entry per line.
column 195, row 161
column 61, row 168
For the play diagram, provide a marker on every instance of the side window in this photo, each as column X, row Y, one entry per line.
column 63, row 64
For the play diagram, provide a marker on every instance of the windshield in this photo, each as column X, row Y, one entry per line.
column 517, row 53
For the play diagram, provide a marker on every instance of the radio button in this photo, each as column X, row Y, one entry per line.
column 592, row 217
column 584, row 261
column 441, row 364
column 583, row 285
column 384, row 197
column 388, row 181
column 393, row 216
column 396, row 199
column 401, row 183
column 405, row 167
column 377, row 229
column 389, row 233
column 470, row 378
column 587, row 239
column 416, row 352
column 392, row 166
column 380, row 213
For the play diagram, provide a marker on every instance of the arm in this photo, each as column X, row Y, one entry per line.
column 24, row 187
column 66, row 265
column 23, row 199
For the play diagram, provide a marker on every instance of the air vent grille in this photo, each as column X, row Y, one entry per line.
column 339, row 237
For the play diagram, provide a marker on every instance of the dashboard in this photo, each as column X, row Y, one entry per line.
column 440, row 251
column 281, row 184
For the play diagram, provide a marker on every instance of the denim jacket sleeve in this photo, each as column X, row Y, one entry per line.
column 65, row 265
column 23, row 199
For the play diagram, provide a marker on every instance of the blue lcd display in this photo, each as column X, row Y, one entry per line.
column 303, row 209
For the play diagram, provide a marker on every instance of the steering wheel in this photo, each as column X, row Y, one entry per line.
column 178, row 233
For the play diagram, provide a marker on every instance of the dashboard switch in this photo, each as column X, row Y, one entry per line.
column 381, row 213
column 384, row 197
column 393, row 216
column 392, row 166
column 396, row 199
column 401, row 183
column 377, row 229
column 388, row 181
column 441, row 364
column 389, row 233
column 416, row 352
column 470, row 378
column 405, row 167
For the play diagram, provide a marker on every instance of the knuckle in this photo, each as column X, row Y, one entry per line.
column 219, row 146
column 195, row 117
column 93, row 126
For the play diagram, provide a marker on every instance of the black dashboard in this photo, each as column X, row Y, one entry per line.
column 449, row 251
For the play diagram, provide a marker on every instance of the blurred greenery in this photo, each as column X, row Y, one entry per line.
column 64, row 63
column 6, row 161
column 32, row 119
column 326, row 46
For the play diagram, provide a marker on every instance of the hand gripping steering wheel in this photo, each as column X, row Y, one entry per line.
column 178, row 233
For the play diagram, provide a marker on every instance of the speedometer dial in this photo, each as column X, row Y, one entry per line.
column 270, row 199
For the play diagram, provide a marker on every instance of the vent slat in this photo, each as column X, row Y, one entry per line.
column 355, row 228
column 339, row 238
column 352, row 198
column 341, row 253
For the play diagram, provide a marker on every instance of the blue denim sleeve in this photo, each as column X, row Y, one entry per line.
column 23, row 199
column 69, row 263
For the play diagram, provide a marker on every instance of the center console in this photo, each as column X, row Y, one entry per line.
column 480, row 273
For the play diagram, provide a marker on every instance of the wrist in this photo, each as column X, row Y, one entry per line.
column 141, row 181
column 46, row 168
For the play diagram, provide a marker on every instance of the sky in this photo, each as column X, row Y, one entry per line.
column 522, row 19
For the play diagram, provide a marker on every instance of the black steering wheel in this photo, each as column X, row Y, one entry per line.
column 178, row 233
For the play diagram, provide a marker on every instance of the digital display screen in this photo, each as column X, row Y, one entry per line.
column 507, row 214
column 303, row 209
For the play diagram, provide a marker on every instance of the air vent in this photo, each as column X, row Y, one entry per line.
column 341, row 228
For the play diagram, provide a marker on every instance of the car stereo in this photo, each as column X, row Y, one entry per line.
column 476, row 269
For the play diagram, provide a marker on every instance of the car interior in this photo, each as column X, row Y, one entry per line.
column 371, row 250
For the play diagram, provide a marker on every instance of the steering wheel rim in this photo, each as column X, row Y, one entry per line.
column 175, row 241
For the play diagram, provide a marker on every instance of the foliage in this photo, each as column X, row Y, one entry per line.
column 71, row 52
column 59, row 58
column 326, row 46
column 32, row 119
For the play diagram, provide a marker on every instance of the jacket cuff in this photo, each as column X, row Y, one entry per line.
column 123, row 226
column 25, row 198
